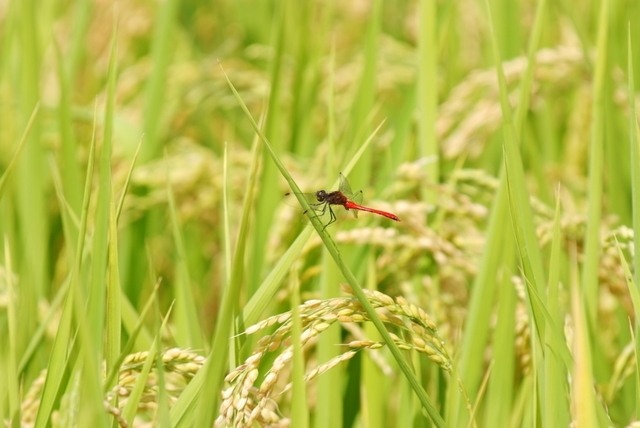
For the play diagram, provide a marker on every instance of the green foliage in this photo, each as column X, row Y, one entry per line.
column 503, row 134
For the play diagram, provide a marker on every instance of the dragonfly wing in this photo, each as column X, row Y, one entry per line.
column 320, row 209
column 344, row 187
column 291, row 200
column 357, row 198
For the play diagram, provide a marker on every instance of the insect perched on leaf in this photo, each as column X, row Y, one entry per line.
column 323, row 202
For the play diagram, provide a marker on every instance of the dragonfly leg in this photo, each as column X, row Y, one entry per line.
column 318, row 209
column 332, row 217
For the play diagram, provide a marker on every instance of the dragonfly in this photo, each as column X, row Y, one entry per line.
column 322, row 202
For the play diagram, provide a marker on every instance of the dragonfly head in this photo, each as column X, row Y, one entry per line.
column 321, row 195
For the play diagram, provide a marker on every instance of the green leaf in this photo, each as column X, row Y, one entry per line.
column 553, row 402
column 634, row 158
column 12, row 321
column 189, row 333
column 58, row 358
column 114, row 293
column 12, row 165
column 131, row 408
column 351, row 279
column 428, row 91
column 596, row 161
column 299, row 409
column 162, row 48
column 214, row 367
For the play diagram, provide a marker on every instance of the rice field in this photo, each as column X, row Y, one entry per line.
column 154, row 274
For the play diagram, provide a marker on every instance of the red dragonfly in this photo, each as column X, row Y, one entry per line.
column 323, row 201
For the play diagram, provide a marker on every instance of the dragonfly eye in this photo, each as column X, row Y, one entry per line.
column 321, row 195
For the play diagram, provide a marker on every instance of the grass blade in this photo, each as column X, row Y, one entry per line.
column 69, row 150
column 499, row 246
column 113, row 299
column 90, row 314
column 428, row 93
column 12, row 321
column 128, row 180
column 189, row 332
column 265, row 203
column 351, row 279
column 522, row 217
column 30, row 188
column 215, row 367
column 161, row 50
column 268, row 288
column 299, row 410
column 58, row 357
column 554, row 403
column 584, row 401
column 16, row 156
column 96, row 289
column 501, row 383
column 363, row 102
column 133, row 336
column 634, row 145
column 374, row 381
column 260, row 300
column 596, row 161
column 497, row 250
column 330, row 410
column 131, row 408
column 225, row 214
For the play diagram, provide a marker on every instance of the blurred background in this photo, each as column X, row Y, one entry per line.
column 417, row 78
